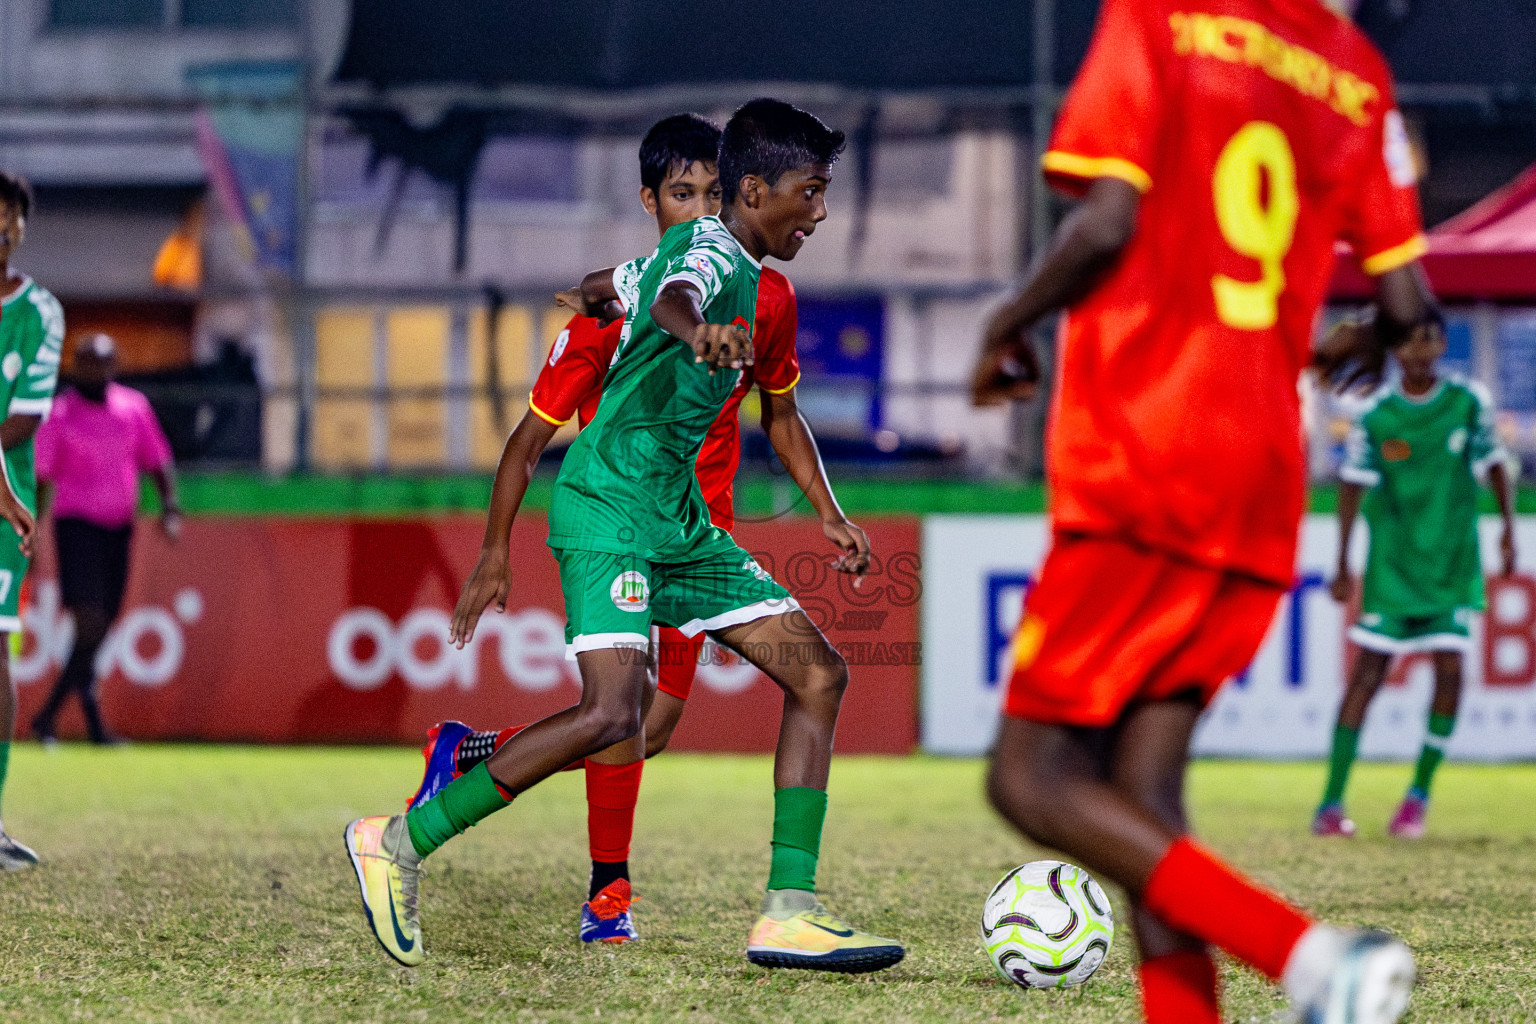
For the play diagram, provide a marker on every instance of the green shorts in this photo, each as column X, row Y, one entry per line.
column 612, row 600
column 1411, row 634
column 13, row 569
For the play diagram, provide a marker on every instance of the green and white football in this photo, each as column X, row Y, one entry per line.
column 1047, row 925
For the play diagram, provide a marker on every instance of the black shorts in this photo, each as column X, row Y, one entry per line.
column 93, row 564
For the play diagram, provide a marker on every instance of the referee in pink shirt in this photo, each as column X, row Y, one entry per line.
column 90, row 451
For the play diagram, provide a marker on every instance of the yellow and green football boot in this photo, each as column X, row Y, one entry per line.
column 796, row 931
column 388, row 870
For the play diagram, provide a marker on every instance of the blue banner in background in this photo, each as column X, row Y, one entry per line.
column 250, row 137
column 1517, row 362
column 841, row 343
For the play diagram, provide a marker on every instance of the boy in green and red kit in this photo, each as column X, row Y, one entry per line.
column 679, row 182
column 632, row 532
column 1412, row 462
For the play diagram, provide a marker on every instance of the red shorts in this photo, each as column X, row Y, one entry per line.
column 677, row 659
column 1109, row 624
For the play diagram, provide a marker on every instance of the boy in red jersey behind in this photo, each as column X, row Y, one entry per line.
column 679, row 183
column 1219, row 148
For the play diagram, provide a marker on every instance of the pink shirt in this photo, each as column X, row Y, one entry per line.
column 93, row 452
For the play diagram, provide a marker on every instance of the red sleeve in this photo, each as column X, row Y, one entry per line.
column 578, row 362
column 1108, row 127
column 775, row 363
column 151, row 450
column 1383, row 223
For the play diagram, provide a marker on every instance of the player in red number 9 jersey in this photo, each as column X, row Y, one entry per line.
column 1219, row 148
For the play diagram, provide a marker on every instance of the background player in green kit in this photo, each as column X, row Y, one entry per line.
column 635, row 544
column 1414, row 454
column 31, row 339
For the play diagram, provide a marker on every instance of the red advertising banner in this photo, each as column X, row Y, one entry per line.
column 300, row 631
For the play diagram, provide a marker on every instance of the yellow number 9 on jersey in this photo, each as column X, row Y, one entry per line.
column 1256, row 221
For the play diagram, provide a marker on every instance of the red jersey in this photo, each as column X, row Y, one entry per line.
column 571, row 382
column 1259, row 131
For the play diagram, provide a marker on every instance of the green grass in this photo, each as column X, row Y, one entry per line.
column 210, row 884
column 407, row 494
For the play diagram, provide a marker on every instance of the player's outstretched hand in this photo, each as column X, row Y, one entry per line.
column 491, row 581
column 722, row 346
column 170, row 525
column 1007, row 369
column 1352, row 356
column 15, row 513
column 1507, row 552
column 1343, row 587
column 854, row 544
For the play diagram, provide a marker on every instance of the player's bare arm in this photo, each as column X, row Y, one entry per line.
column 18, row 428
column 795, row 446
column 1500, row 484
column 491, row 580
column 170, row 506
column 678, row 310
column 1085, row 245
column 594, row 297
column 13, row 511
column 1343, row 586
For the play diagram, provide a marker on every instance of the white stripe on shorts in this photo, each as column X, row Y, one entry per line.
column 725, row 620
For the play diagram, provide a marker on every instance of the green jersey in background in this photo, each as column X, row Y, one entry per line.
column 628, row 484
column 1421, row 457
column 31, row 344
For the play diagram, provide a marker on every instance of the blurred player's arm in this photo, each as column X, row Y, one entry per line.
column 1355, row 352
column 491, row 579
column 1343, row 586
column 795, row 446
column 595, row 297
column 1503, row 489
column 13, row 511
column 18, row 428
column 1086, row 244
column 679, row 310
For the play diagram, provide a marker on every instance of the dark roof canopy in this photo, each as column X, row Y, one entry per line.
column 626, row 44
column 873, row 44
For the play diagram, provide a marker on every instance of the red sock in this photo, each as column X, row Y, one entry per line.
column 612, row 790
column 1196, row 893
column 1180, row 988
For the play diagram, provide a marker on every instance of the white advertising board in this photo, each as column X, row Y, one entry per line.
column 977, row 570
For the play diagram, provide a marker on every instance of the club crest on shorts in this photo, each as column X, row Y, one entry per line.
column 631, row 592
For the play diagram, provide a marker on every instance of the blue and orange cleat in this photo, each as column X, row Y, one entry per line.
column 605, row 917
column 441, row 756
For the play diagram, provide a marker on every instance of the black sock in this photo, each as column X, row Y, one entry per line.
column 603, row 873
column 473, row 749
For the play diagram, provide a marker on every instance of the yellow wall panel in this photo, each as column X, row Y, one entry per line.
column 343, row 427
column 416, row 356
column 516, row 352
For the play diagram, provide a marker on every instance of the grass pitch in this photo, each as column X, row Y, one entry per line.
column 210, row 884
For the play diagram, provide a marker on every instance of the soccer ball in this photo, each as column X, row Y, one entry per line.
column 1047, row 925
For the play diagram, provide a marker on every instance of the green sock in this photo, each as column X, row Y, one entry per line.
column 1440, row 729
column 1345, row 742
column 798, row 813
column 5, row 762
column 466, row 801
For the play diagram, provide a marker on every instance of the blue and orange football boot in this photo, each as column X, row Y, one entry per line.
column 605, row 917
column 441, row 756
